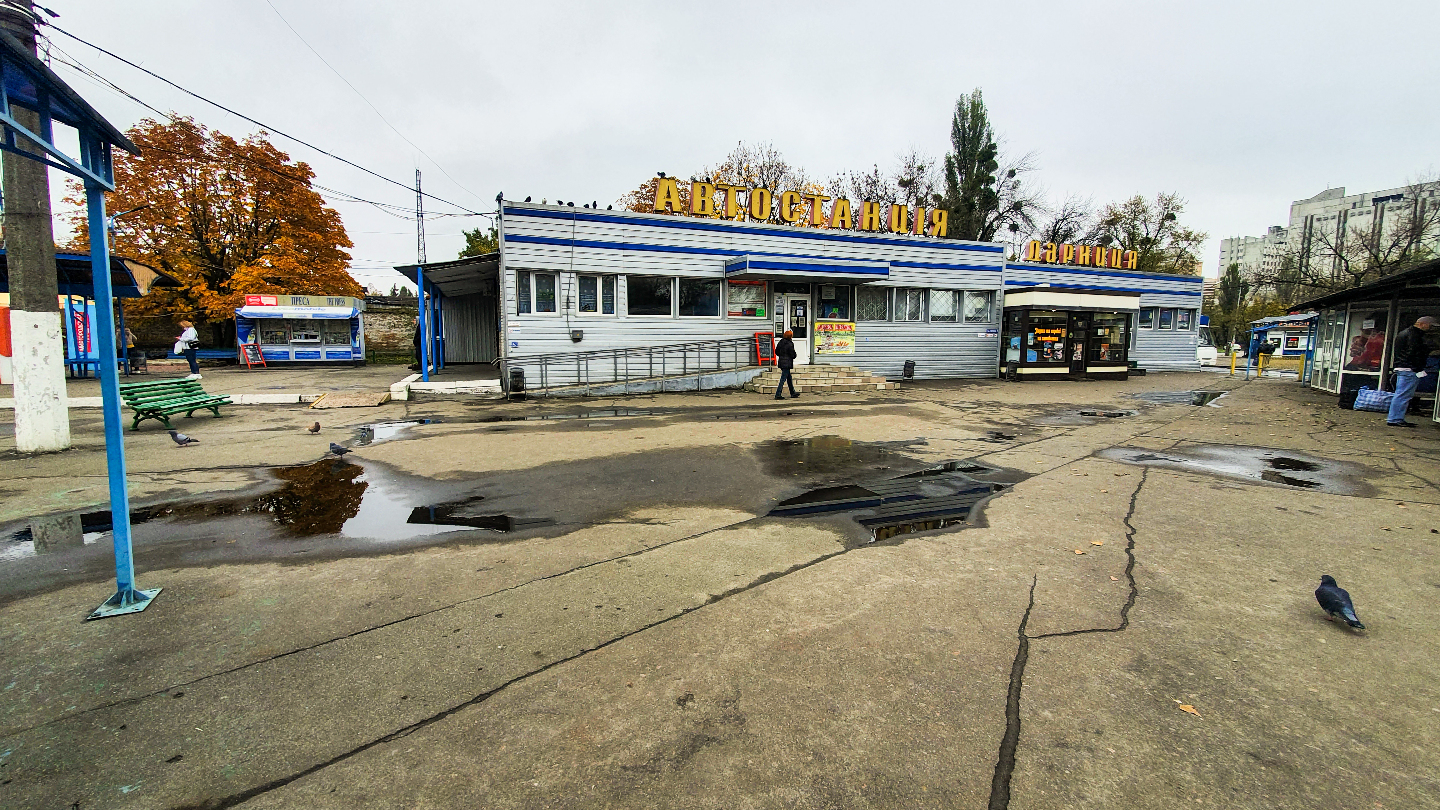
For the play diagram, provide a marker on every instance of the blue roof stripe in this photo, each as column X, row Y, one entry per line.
column 1031, row 285
column 812, row 267
column 550, row 240
column 690, row 224
column 1065, row 268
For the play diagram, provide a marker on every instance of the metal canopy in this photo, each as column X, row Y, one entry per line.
column 128, row 278
column 1422, row 281
column 469, row 276
column 27, row 83
column 787, row 268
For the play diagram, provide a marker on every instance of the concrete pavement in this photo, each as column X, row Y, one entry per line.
column 654, row 641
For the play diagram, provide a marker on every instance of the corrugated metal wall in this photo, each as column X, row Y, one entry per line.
column 471, row 328
column 1156, row 349
column 568, row 242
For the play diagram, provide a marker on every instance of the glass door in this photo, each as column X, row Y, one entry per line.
column 1079, row 334
column 797, row 320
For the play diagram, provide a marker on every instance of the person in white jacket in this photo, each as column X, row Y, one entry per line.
column 186, row 344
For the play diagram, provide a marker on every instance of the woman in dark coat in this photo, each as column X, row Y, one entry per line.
column 785, row 358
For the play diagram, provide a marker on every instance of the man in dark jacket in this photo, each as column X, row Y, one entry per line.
column 785, row 358
column 1411, row 354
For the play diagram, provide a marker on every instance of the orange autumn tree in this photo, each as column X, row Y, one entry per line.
column 225, row 217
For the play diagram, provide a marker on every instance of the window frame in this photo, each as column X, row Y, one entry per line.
column 990, row 308
column 956, row 298
column 895, row 312
column 600, row 279
column 524, row 303
column 1187, row 316
column 1160, row 319
column 719, row 297
column 889, row 296
column 728, row 305
column 1140, row 318
column 629, row 277
column 528, row 301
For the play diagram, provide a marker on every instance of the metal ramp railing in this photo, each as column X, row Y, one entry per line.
column 545, row 372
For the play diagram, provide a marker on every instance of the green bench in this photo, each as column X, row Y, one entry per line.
column 160, row 399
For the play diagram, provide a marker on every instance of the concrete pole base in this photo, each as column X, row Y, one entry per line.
column 42, row 419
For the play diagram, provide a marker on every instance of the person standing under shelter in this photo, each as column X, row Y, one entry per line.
column 785, row 358
column 1411, row 355
column 186, row 344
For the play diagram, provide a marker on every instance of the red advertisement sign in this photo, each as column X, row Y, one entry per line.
column 82, row 331
column 261, row 301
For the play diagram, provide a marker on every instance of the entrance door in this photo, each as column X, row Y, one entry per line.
column 797, row 320
column 1079, row 331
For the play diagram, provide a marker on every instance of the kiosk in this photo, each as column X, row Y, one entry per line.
column 302, row 328
column 1063, row 332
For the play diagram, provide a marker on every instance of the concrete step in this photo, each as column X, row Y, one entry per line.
column 823, row 388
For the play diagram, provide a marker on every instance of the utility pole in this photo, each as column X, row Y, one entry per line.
column 42, row 419
column 419, row 221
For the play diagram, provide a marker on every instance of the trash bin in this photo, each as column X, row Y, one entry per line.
column 517, row 383
column 909, row 373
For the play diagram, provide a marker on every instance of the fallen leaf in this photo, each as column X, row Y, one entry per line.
column 1097, row 542
column 1384, row 528
column 1104, row 490
column 1377, row 548
column 1079, row 551
column 1114, row 579
column 1188, row 709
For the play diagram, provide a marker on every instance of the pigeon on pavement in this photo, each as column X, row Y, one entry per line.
column 181, row 439
column 338, row 450
column 1336, row 602
column 315, row 428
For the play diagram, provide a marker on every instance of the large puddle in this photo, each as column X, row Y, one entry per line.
column 1287, row 468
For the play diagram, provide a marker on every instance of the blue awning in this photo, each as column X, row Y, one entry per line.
column 301, row 313
column 785, row 268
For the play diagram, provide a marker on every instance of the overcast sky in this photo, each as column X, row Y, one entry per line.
column 1240, row 107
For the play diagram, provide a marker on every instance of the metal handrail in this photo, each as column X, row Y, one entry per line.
column 625, row 365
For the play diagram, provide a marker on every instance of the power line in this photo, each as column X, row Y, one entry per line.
column 261, row 124
column 372, row 106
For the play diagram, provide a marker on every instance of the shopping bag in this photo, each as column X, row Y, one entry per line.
column 1368, row 399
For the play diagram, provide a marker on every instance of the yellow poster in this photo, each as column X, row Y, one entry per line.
column 834, row 337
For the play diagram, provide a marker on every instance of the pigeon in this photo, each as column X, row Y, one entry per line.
column 181, row 439
column 1336, row 602
column 315, row 428
column 527, row 199
column 338, row 450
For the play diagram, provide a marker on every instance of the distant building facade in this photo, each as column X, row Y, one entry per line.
column 1255, row 254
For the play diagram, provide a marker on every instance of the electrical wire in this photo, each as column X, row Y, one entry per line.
column 281, row 133
column 371, row 104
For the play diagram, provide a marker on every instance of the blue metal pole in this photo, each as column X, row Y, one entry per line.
column 424, row 335
column 440, row 329
column 124, row 351
column 127, row 598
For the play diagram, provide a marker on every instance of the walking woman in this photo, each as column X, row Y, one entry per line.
column 785, row 358
column 186, row 344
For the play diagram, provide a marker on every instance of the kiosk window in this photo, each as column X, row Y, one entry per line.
column 544, row 292
column 834, row 303
column 649, row 295
column 943, row 306
column 872, row 304
column 979, row 306
column 909, row 305
column 597, row 294
column 522, row 292
column 1045, row 337
column 745, row 299
column 1147, row 318
column 273, row 333
column 1183, row 318
column 699, row 297
column 1167, row 318
column 337, row 333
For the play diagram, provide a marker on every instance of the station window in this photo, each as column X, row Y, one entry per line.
column 909, row 304
column 834, row 303
column 872, row 303
column 699, row 297
column 522, row 292
column 649, row 295
column 1147, row 318
column 1183, row 319
column 979, row 306
column 597, row 295
column 944, row 306
column 1167, row 318
column 745, row 299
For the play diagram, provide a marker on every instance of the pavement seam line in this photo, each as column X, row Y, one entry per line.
column 1010, row 741
column 362, row 631
column 405, row 731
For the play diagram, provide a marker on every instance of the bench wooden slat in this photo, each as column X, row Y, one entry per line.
column 159, row 399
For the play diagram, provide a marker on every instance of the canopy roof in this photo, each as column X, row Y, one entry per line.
column 130, row 278
column 30, row 83
column 789, row 268
column 469, row 276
